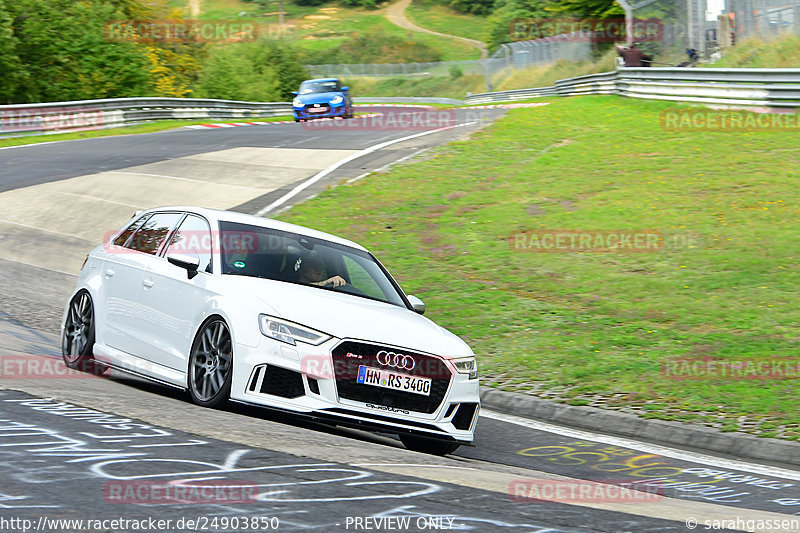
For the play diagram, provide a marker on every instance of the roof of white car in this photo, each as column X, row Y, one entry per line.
column 231, row 216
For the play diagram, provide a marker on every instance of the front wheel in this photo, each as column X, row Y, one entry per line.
column 211, row 364
column 431, row 446
column 78, row 337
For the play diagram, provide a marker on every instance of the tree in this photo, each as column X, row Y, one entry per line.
column 14, row 75
column 508, row 12
column 262, row 71
column 595, row 9
column 62, row 46
column 474, row 7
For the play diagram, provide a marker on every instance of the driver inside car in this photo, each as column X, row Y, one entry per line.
column 311, row 271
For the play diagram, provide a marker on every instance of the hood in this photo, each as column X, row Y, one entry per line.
column 318, row 98
column 347, row 316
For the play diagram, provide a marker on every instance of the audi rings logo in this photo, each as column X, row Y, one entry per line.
column 395, row 360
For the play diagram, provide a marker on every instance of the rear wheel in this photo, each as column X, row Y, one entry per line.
column 431, row 446
column 78, row 337
column 211, row 364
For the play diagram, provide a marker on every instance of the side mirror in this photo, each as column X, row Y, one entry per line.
column 345, row 88
column 295, row 93
column 188, row 262
column 417, row 304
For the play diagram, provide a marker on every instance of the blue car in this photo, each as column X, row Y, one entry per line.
column 322, row 98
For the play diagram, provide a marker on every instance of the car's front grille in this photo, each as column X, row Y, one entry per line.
column 321, row 109
column 349, row 355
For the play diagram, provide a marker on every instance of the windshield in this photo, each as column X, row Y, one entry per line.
column 308, row 87
column 282, row 256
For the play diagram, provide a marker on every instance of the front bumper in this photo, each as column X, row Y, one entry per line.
column 303, row 379
column 328, row 111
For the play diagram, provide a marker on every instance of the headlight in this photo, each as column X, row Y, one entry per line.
column 289, row 332
column 337, row 99
column 297, row 103
column 467, row 365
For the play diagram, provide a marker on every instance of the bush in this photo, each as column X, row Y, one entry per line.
column 261, row 71
column 56, row 50
column 376, row 46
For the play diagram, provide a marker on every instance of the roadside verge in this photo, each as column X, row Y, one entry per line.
column 735, row 445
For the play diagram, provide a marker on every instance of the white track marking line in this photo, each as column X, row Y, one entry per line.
column 319, row 175
column 181, row 179
column 683, row 455
column 99, row 199
column 386, row 166
column 59, row 233
column 73, row 274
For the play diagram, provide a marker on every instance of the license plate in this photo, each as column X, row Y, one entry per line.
column 317, row 110
column 393, row 380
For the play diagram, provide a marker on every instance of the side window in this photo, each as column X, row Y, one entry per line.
column 193, row 238
column 123, row 237
column 361, row 279
column 151, row 235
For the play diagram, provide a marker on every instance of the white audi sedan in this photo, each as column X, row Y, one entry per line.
column 233, row 306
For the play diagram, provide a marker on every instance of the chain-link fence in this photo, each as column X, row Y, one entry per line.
column 517, row 55
column 760, row 18
column 666, row 29
column 691, row 24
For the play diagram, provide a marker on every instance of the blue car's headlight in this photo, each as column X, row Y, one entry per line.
column 337, row 99
column 297, row 103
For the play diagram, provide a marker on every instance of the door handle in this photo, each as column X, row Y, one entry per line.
column 110, row 273
column 147, row 283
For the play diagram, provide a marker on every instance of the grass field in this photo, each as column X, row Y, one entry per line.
column 756, row 53
column 342, row 22
column 434, row 86
column 598, row 328
column 436, row 17
column 324, row 27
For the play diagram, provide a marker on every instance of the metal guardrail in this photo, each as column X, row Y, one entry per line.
column 406, row 100
column 733, row 87
column 602, row 83
column 113, row 112
column 504, row 96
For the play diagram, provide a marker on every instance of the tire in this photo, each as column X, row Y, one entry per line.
column 348, row 115
column 297, row 120
column 431, row 446
column 211, row 364
column 77, row 340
